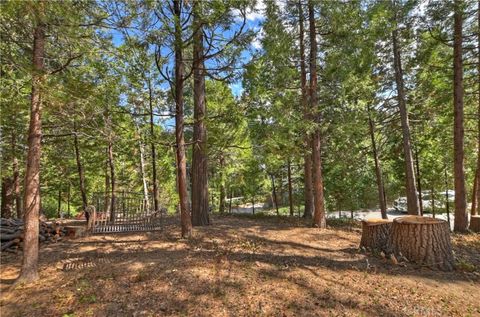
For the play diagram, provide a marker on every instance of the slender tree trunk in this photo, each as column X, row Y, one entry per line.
column 461, row 216
column 230, row 202
column 433, row 202
column 81, row 175
column 319, row 218
column 59, row 207
column 378, row 168
column 179, row 123
column 447, row 201
column 274, row 192
column 199, row 158
column 222, row 185
column 107, row 201
column 156, row 199
column 419, row 181
column 16, row 177
column 476, row 185
column 68, row 200
column 7, row 197
column 412, row 196
column 290, row 190
column 141, row 146
column 308, row 211
column 29, row 270
column 253, row 204
column 111, row 165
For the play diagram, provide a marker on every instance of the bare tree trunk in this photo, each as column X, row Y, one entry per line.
column 7, row 197
column 29, row 270
column 290, row 190
column 199, row 157
column 107, row 202
column 154, row 153
column 230, row 202
column 81, row 175
column 410, row 186
column 378, row 168
column 221, row 207
column 68, row 200
column 461, row 216
column 476, row 185
column 419, row 181
column 308, row 211
column 274, row 192
column 319, row 218
column 16, row 177
column 112, row 180
column 179, row 123
column 59, row 207
column 141, row 146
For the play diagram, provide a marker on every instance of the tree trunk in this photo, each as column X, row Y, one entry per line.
column 59, row 207
column 419, row 181
column 111, row 164
column 156, row 206
column 141, row 147
column 68, row 200
column 185, row 215
column 81, row 175
column 230, row 202
column 7, row 197
column 290, row 190
column 16, row 177
column 221, row 207
column 447, row 201
column 319, row 219
column 378, row 169
column 461, row 216
column 200, row 215
column 422, row 240
column 29, row 271
column 274, row 192
column 475, row 223
column 253, row 205
column 375, row 234
column 410, row 186
column 476, row 185
column 106, row 201
column 308, row 211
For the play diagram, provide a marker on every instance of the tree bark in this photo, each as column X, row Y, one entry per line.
column 156, row 206
column 59, row 206
column 422, row 240
column 319, row 219
column 274, row 192
column 475, row 223
column 378, row 168
column 16, row 177
column 476, row 185
column 141, row 147
column 290, row 190
column 308, row 211
column 461, row 216
column 419, row 181
column 29, row 270
column 185, row 214
column 410, row 186
column 111, row 165
column 81, row 175
column 106, row 201
column 221, row 207
column 375, row 234
column 200, row 215
column 7, row 197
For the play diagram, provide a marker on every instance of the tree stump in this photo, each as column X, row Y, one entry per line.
column 375, row 234
column 475, row 223
column 422, row 240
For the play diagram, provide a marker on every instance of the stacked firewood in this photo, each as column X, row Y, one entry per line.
column 11, row 233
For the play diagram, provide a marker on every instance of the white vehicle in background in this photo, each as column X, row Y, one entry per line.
column 400, row 204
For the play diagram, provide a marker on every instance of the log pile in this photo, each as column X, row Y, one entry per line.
column 11, row 233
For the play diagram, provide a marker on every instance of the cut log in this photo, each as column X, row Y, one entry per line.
column 8, row 237
column 475, row 223
column 10, row 243
column 422, row 240
column 375, row 234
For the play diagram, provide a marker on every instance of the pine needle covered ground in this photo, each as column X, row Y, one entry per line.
column 240, row 266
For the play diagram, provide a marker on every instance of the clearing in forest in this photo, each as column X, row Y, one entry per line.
column 240, row 266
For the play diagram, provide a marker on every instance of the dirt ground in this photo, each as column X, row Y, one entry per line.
column 239, row 266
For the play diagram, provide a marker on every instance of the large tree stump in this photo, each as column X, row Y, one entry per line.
column 422, row 240
column 375, row 234
column 475, row 223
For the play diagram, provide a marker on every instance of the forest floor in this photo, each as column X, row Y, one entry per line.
column 239, row 266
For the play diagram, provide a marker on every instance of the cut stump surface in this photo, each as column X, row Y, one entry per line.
column 422, row 240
